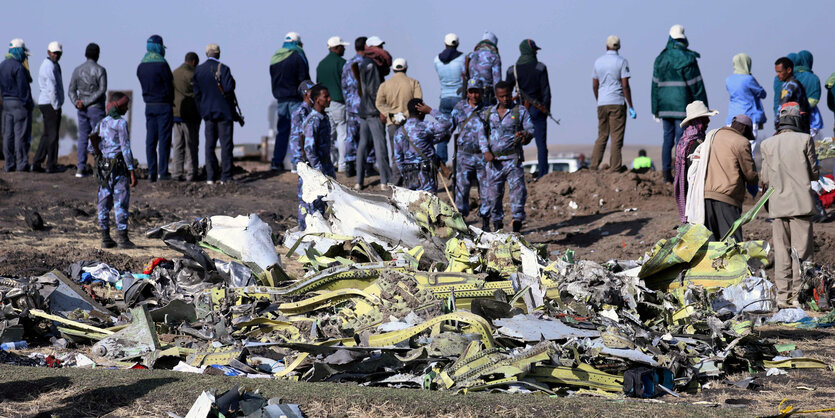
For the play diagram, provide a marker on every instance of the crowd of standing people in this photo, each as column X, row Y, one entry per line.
column 365, row 116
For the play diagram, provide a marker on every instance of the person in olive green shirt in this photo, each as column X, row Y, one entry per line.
column 329, row 74
column 186, row 121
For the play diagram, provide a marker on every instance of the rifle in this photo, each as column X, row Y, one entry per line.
column 230, row 98
column 530, row 100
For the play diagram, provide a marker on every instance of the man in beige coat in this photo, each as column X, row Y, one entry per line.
column 392, row 100
column 789, row 165
column 729, row 168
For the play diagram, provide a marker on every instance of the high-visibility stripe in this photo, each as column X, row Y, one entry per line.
column 677, row 83
column 671, row 114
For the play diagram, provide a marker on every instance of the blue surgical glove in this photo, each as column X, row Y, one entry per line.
column 632, row 114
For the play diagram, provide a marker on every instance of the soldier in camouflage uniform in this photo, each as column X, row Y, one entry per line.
column 469, row 161
column 484, row 64
column 509, row 127
column 352, row 103
column 297, row 154
column 414, row 146
column 317, row 146
column 297, row 124
column 114, row 171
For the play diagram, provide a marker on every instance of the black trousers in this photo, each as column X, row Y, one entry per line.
column 719, row 217
column 219, row 130
column 48, row 148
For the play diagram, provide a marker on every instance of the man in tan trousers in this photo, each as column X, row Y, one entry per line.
column 789, row 165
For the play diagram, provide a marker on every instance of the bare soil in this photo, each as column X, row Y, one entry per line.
column 613, row 216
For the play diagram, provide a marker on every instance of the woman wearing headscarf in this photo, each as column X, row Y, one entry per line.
column 745, row 93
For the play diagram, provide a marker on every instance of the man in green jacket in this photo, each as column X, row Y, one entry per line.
column 186, row 121
column 329, row 74
column 676, row 82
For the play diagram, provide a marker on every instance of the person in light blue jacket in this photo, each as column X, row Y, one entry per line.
column 745, row 93
column 450, row 67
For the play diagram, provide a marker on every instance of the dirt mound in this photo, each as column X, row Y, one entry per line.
column 30, row 262
column 588, row 192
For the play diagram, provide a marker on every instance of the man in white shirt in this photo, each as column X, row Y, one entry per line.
column 50, row 101
column 610, row 83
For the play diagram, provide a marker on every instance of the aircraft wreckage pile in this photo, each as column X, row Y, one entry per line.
column 400, row 292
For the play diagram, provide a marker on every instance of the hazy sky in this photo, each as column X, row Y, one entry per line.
column 572, row 35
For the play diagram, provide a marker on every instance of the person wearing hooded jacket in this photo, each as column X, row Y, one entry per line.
column 157, row 83
column 288, row 68
column 676, row 82
column 745, row 93
column 449, row 65
column 485, row 65
column 533, row 83
column 17, row 106
column 812, row 85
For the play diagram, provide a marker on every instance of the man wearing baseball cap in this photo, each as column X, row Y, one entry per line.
column 329, row 74
column 393, row 101
column 50, row 101
column 610, row 83
column 449, row 65
column 469, row 161
column 17, row 106
column 288, row 68
column 157, row 83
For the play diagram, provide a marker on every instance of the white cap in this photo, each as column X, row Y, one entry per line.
column 677, row 32
column 613, row 42
column 490, row 36
column 54, row 46
column 335, row 41
column 374, row 41
column 451, row 39
column 292, row 37
column 18, row 43
column 399, row 64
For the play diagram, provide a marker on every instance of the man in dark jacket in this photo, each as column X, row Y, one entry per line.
column 87, row 89
column 676, row 82
column 288, row 68
column 17, row 106
column 530, row 77
column 186, row 121
column 372, row 133
column 792, row 91
column 158, row 92
column 216, row 111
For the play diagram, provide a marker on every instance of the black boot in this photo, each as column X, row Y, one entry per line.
column 124, row 241
column 497, row 225
column 668, row 176
column 485, row 223
column 351, row 169
column 106, row 241
column 517, row 225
